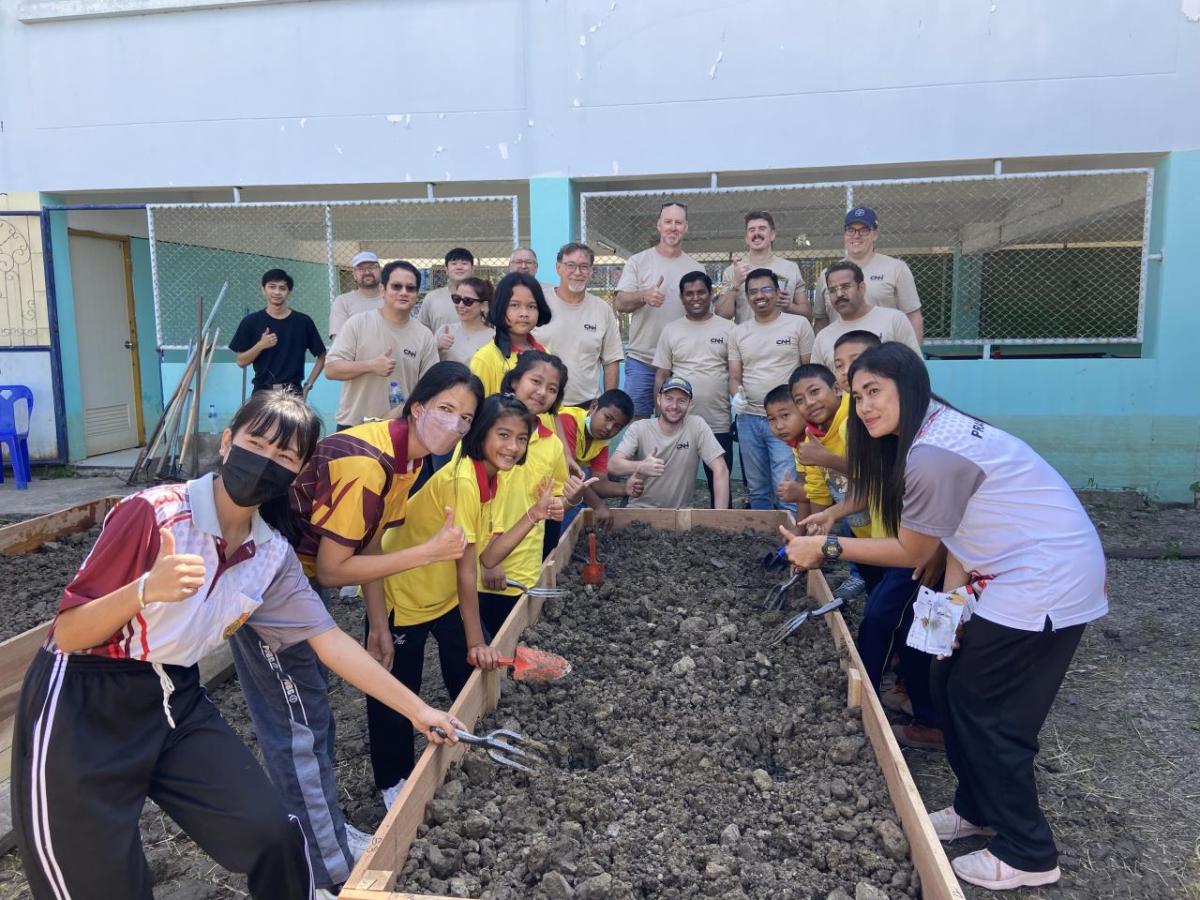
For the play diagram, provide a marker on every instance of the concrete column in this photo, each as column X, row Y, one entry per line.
column 553, row 221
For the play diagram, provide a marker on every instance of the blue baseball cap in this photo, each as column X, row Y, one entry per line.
column 675, row 383
column 861, row 215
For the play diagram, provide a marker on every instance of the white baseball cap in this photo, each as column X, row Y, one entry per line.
column 364, row 256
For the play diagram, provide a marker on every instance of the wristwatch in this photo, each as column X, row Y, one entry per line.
column 832, row 548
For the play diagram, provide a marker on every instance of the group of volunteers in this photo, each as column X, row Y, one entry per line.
column 470, row 428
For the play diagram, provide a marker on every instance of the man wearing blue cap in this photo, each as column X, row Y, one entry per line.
column 889, row 281
column 664, row 453
column 365, row 296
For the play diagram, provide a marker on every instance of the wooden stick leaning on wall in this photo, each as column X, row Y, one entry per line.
column 191, row 438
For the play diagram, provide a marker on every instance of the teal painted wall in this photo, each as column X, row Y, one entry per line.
column 148, row 357
column 553, row 221
column 68, row 337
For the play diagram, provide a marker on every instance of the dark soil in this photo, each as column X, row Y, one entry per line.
column 682, row 758
column 40, row 577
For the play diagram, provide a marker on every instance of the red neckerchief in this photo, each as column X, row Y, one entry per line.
column 815, row 430
column 487, row 486
column 533, row 345
column 793, row 443
column 542, row 430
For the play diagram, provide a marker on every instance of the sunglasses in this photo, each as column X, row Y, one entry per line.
column 456, row 299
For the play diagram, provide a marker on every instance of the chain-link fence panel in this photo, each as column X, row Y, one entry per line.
column 197, row 248
column 1052, row 258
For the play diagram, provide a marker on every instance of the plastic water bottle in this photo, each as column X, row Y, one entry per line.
column 395, row 395
column 212, row 418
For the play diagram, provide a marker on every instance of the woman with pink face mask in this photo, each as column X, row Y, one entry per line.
column 353, row 488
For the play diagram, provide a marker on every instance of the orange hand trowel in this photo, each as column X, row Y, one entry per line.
column 592, row 572
column 529, row 664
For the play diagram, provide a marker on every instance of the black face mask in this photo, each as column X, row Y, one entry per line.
column 252, row 480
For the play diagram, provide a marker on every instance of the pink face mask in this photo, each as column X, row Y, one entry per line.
column 440, row 430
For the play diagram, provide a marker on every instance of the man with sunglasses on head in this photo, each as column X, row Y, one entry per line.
column 379, row 347
column 365, row 297
column 649, row 289
column 889, row 281
column 437, row 310
column 583, row 329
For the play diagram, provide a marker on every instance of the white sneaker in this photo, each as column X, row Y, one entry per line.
column 950, row 826
column 390, row 794
column 348, row 592
column 358, row 841
column 985, row 870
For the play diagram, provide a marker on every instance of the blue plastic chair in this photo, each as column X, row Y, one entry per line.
column 17, row 441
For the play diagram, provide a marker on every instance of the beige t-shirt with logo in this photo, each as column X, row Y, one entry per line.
column 641, row 272
column 789, row 279
column 367, row 336
column 699, row 352
column 437, row 310
column 769, row 354
column 889, row 284
column 889, row 324
column 465, row 343
column 349, row 304
column 585, row 336
column 682, row 452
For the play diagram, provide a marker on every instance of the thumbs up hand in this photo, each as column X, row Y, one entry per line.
column 174, row 576
column 655, row 296
column 790, row 490
column 651, row 466
column 547, row 506
column 445, row 339
column 741, row 269
column 384, row 364
column 268, row 339
column 449, row 543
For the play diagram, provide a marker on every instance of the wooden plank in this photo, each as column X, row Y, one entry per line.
column 938, row 881
column 360, row 894
column 22, row 537
column 15, row 656
column 853, row 688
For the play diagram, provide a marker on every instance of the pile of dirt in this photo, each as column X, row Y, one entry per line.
column 41, row 576
column 683, row 758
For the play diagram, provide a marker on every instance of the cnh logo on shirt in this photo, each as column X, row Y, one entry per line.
column 716, row 340
column 683, row 445
column 876, row 277
column 412, row 353
column 587, row 326
column 784, row 342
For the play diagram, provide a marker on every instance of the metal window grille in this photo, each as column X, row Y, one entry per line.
column 24, row 316
column 1047, row 258
column 196, row 248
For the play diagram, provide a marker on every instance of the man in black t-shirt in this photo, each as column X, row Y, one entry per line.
column 276, row 338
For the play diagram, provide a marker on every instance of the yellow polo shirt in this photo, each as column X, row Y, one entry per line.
column 491, row 366
column 429, row 592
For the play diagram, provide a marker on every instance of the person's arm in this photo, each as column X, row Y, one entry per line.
column 612, row 375
column 501, row 545
column 917, row 321
column 337, row 317
column 821, row 522
column 338, row 369
column 735, row 376
column 314, row 375
column 479, row 654
column 734, row 277
column 811, row 453
column 266, row 342
column 909, row 550
column 720, row 483
column 660, row 375
column 339, row 565
column 348, row 659
column 799, row 304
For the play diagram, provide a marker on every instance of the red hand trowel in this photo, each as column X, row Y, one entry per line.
column 529, row 664
column 592, row 572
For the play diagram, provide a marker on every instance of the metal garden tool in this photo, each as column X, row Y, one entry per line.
column 529, row 664
column 497, row 743
column 544, row 593
column 776, row 560
column 592, row 572
column 777, row 596
column 792, row 625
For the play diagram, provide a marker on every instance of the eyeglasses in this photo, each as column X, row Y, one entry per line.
column 456, row 299
column 577, row 266
column 760, row 292
column 842, row 288
column 403, row 288
column 858, row 231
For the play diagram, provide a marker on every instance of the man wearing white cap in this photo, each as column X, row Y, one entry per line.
column 365, row 296
column 889, row 281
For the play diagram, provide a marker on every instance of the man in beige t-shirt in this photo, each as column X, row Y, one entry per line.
column 380, row 346
column 583, row 329
column 649, row 289
column 437, row 309
column 366, row 295
column 889, row 280
column 696, row 348
column 847, row 290
column 763, row 353
column 760, row 238
column 664, row 453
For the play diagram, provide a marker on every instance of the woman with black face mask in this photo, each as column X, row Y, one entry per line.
column 112, row 711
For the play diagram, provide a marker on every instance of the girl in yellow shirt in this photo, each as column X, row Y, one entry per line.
column 441, row 598
column 518, row 307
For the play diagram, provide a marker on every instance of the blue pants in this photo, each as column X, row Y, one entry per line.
column 766, row 461
column 884, row 631
column 639, row 384
column 287, row 695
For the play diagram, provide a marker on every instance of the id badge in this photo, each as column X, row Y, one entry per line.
column 936, row 617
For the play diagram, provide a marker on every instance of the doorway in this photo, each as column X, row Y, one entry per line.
column 102, row 283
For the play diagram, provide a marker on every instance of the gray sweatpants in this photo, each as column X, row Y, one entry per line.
column 287, row 696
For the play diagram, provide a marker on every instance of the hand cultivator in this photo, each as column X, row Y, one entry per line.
column 776, row 560
column 544, row 593
column 792, row 625
column 777, row 596
column 498, row 743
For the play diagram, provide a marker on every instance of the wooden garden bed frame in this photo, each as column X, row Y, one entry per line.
column 374, row 876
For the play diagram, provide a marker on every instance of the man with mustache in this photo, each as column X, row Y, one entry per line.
column 366, row 295
column 760, row 238
column 845, row 286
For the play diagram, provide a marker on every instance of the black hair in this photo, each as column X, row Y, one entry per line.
column 574, row 247
column 482, row 287
column 763, row 272
column 759, row 214
column 858, row 336
column 494, row 408
column 499, row 311
column 845, row 265
column 618, row 400
column 877, row 465
column 395, row 264
column 460, row 253
column 695, row 276
column 781, row 393
column 278, row 275
column 440, row 377
column 812, row 370
column 525, row 362
column 281, row 417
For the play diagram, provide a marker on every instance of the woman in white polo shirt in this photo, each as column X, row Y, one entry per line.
column 1015, row 532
